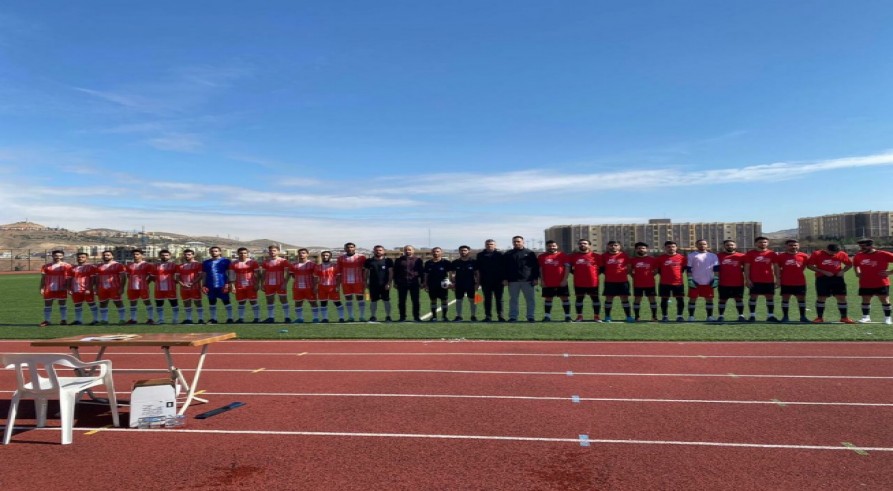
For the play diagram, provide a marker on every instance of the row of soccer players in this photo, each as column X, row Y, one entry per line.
column 761, row 270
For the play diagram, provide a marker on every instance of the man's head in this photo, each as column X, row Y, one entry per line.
column 303, row 254
column 613, row 247
column 137, row 255
column 57, row 256
column 866, row 244
column 242, row 252
column 583, row 245
column 518, row 242
column 730, row 246
column 81, row 258
column 791, row 246
column 670, row 247
column 350, row 248
column 833, row 248
column 701, row 245
column 761, row 243
column 552, row 246
column 164, row 255
column 273, row 251
column 437, row 253
column 464, row 251
column 490, row 245
column 641, row 249
column 214, row 252
column 107, row 256
column 408, row 250
column 188, row 255
column 326, row 256
column 378, row 251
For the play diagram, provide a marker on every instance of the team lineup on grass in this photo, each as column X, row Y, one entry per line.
column 352, row 281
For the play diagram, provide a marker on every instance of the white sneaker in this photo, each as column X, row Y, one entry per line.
column 888, row 321
column 711, row 319
column 865, row 319
column 691, row 318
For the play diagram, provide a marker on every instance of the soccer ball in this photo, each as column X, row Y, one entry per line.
column 445, row 283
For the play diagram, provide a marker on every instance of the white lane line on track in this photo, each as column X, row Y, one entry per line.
column 771, row 402
column 575, row 440
column 541, row 355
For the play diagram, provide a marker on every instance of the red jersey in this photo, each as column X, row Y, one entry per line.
column 825, row 261
column 303, row 274
column 327, row 273
column 553, row 267
column 670, row 268
column 55, row 276
column 584, row 266
column 189, row 273
column 760, row 265
column 108, row 275
column 616, row 267
column 246, row 273
column 643, row 269
column 274, row 271
column 870, row 267
column 139, row 276
column 731, row 268
column 352, row 269
column 792, row 267
column 164, row 277
column 82, row 278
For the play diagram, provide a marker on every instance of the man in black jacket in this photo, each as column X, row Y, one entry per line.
column 522, row 273
column 408, row 278
column 491, row 271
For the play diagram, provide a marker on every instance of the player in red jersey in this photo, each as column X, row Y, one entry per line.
column 189, row 277
column 790, row 267
column 585, row 266
column 872, row 269
column 554, row 270
column 54, row 287
column 759, row 275
column 81, row 287
column 328, row 277
column 243, row 279
column 643, row 267
column 303, row 287
column 830, row 265
column 165, row 280
column 353, row 280
column 111, row 278
column 731, row 279
column 140, row 273
column 615, row 263
column 274, row 278
column 670, row 266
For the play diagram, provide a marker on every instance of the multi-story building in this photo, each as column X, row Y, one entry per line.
column 655, row 233
column 850, row 224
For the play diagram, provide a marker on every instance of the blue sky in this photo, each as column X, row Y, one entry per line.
column 317, row 123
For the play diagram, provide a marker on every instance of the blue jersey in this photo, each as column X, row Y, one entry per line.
column 215, row 272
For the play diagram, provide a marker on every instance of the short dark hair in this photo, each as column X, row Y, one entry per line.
column 136, row 250
column 163, row 251
column 242, row 249
column 81, row 254
column 791, row 241
column 611, row 242
column 729, row 240
column 760, row 238
column 466, row 247
column 640, row 244
column 303, row 249
column 517, row 237
column 670, row 242
column 550, row 242
column 868, row 242
column 349, row 244
column 188, row 250
column 833, row 248
column 58, row 251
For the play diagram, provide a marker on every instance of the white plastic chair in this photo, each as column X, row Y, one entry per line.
column 32, row 384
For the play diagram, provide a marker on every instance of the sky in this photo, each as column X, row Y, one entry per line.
column 440, row 123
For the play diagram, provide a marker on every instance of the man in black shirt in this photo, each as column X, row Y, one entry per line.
column 491, row 272
column 379, row 275
column 522, row 273
column 465, row 282
column 407, row 277
column 437, row 269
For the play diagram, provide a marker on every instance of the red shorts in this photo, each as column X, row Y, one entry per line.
column 702, row 291
column 329, row 293
column 275, row 290
column 353, row 288
column 60, row 295
column 193, row 293
column 302, row 294
column 81, row 297
column 137, row 295
column 106, row 294
column 243, row 294
column 165, row 294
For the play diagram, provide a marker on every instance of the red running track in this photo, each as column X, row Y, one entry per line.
column 492, row 415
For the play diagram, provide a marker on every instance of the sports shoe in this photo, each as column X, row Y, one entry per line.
column 865, row 319
column 212, row 321
column 741, row 318
column 567, row 318
column 665, row 319
column 229, row 321
column 240, row 321
column 76, row 323
column 299, row 321
column 433, row 318
column 362, row 319
column 888, row 321
column 44, row 324
column 679, row 318
column 579, row 318
column 325, row 321
column 531, row 319
column 804, row 320
column 512, row 319
column 607, row 318
column 388, row 319
column 63, row 322
column 256, row 321
column 94, row 323
column 711, row 319
column 350, row 319
column 373, row 319
column 487, row 319
column 691, row 318
column 474, row 318
column 288, row 320
column 547, row 318
column 819, row 320
column 341, row 319
column 501, row 319
column 596, row 318
column 150, row 322
column 720, row 319
column 131, row 322
column 630, row 320
column 772, row 318
column 458, row 319
column 316, row 321
column 269, row 320
column 784, row 319
column 847, row 320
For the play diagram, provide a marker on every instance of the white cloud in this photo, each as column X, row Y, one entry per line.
column 177, row 142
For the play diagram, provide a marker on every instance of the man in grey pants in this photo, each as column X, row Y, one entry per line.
column 522, row 273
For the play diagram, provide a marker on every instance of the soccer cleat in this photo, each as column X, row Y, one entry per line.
column 94, row 323
column 512, row 319
column 752, row 318
column 711, row 319
column 316, row 321
column 665, row 319
column 63, row 322
column 388, row 319
column 325, row 321
column 596, row 318
column 150, row 322
column 607, row 318
column 501, row 319
column 299, row 321
column 547, row 318
column 76, row 323
column 865, row 319
column 288, row 320
column 269, row 320
column 819, row 320
column 350, row 319
column 458, row 319
column 104, row 323
column 44, row 324
column 240, row 321
column 579, row 318
column 771, row 318
column 630, row 319
column 567, row 318
column 433, row 319
column 230, row 321
column 131, row 322
column 888, row 321
column 256, row 321
column 474, row 318
column 341, row 319
column 845, row 320
column 741, row 318
column 373, row 319
column 784, row 319
column 691, row 318
column 804, row 320
column 679, row 318
column 362, row 319
column 212, row 321
column 531, row 319
column 720, row 319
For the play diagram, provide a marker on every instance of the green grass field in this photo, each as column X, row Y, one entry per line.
column 21, row 309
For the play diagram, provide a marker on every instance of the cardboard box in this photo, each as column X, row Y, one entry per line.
column 152, row 398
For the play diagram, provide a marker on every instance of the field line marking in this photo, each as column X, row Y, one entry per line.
column 494, row 438
column 93, row 432
column 858, row 450
column 428, row 315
